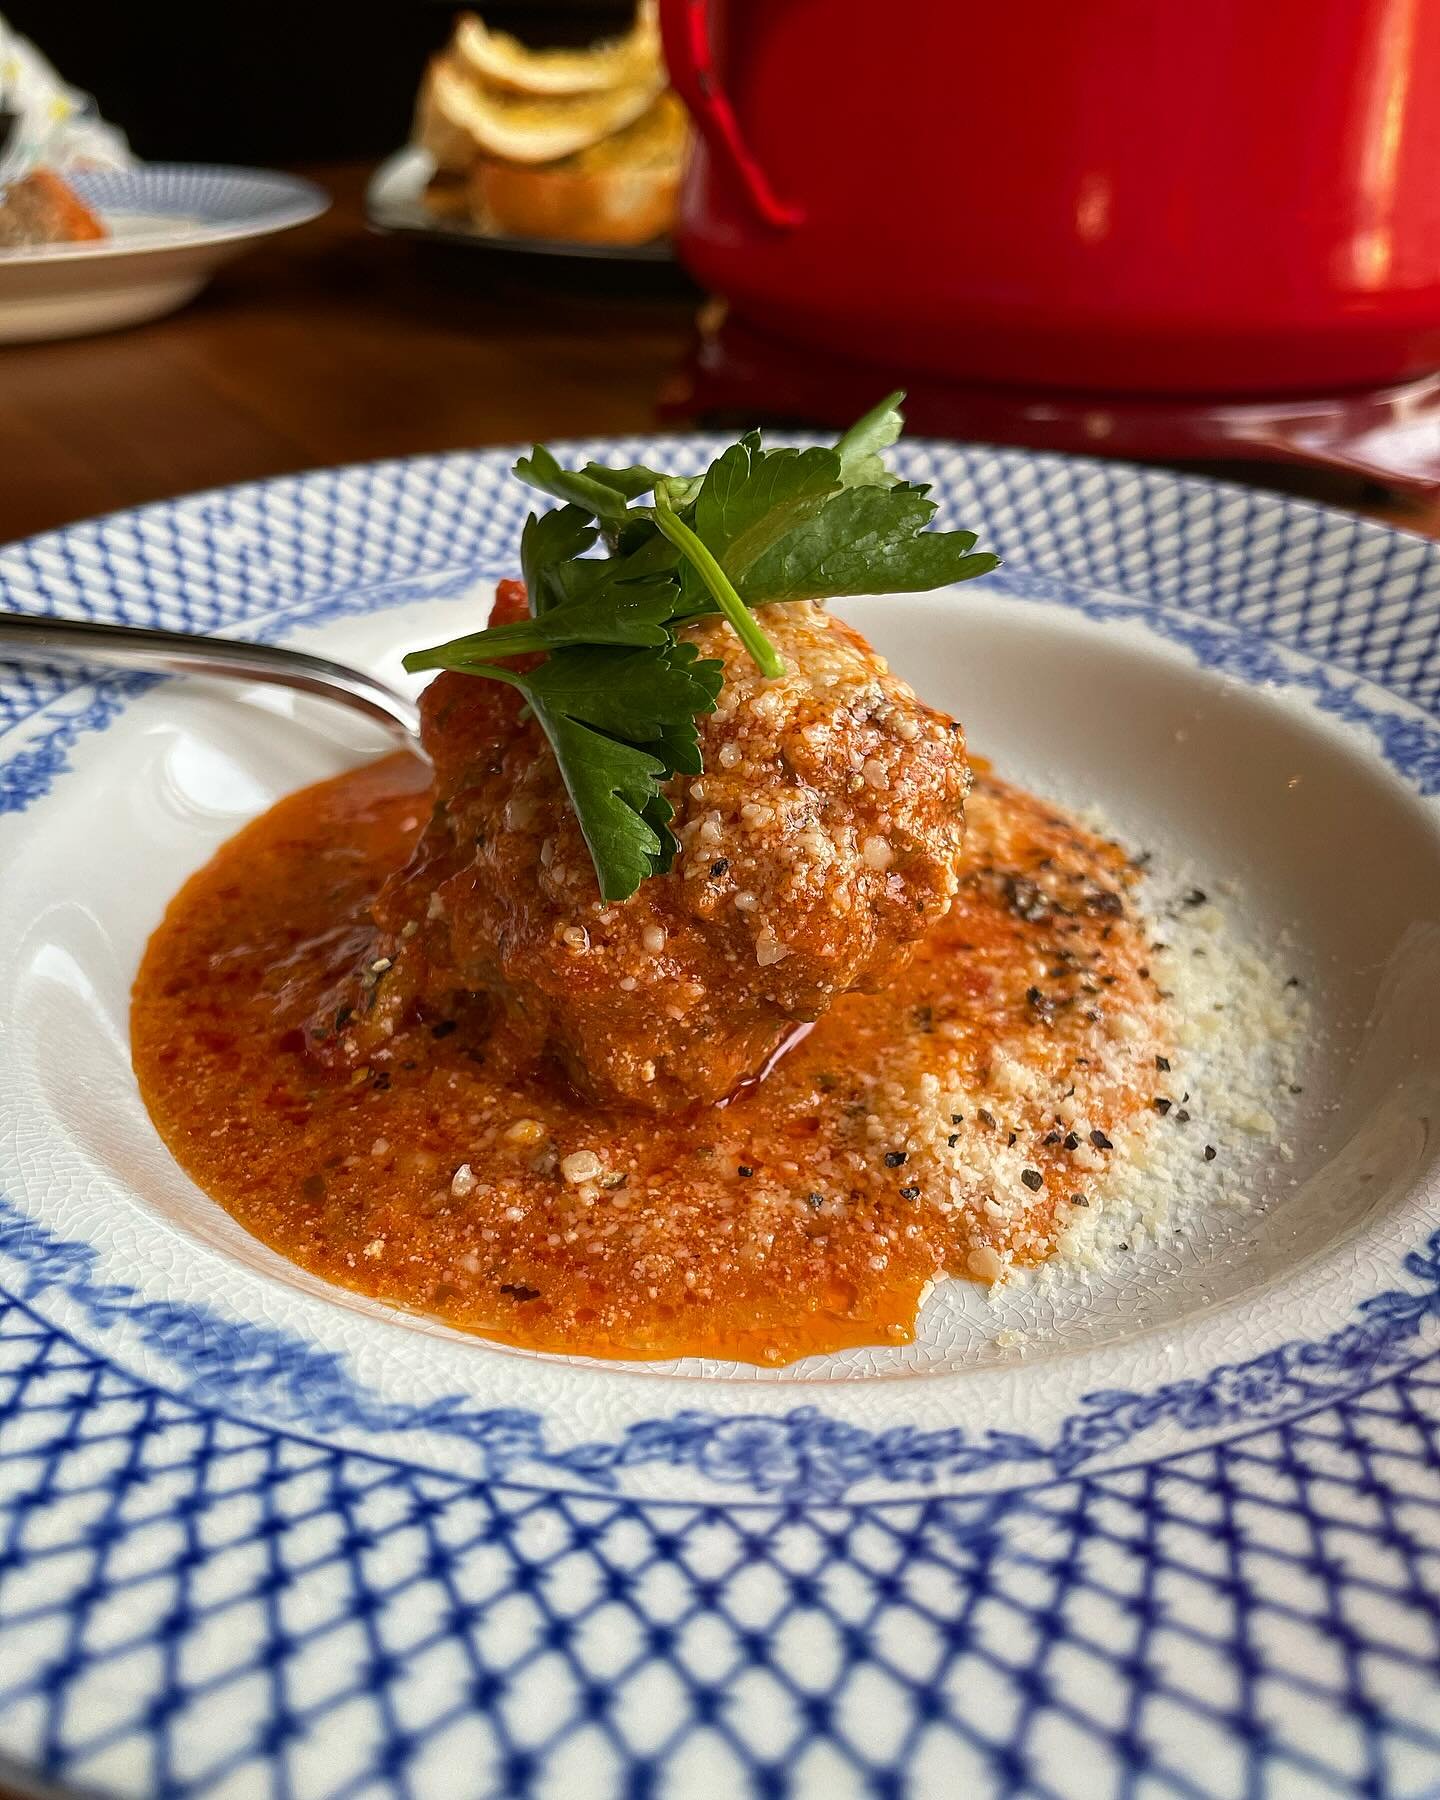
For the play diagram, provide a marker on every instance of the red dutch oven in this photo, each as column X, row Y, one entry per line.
column 1182, row 196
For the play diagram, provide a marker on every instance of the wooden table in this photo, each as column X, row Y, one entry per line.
column 330, row 344
column 333, row 345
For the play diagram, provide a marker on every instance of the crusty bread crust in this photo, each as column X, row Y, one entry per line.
column 606, row 206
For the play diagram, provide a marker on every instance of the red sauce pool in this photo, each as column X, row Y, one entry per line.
column 941, row 1127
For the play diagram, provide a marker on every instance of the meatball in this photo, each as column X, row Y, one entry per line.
column 821, row 842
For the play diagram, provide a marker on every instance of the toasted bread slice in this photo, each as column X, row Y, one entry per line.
column 447, row 196
column 657, row 139
column 621, row 191
column 619, row 206
column 458, row 118
column 503, row 63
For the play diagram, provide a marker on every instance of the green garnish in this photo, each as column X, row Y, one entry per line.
column 692, row 546
column 617, row 694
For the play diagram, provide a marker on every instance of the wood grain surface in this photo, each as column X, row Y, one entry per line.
column 328, row 345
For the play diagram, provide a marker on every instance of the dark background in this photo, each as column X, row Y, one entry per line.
column 269, row 83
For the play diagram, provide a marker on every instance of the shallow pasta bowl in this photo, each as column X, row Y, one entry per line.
column 170, row 225
column 1176, row 1525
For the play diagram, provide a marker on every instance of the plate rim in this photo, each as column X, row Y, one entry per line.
column 587, row 443
column 308, row 201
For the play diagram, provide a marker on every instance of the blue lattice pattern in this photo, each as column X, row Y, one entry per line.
column 202, row 195
column 1354, row 593
column 218, row 1608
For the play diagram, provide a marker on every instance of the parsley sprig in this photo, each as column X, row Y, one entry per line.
column 617, row 693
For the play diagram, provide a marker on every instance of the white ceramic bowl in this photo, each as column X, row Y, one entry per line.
column 1183, row 1528
column 171, row 226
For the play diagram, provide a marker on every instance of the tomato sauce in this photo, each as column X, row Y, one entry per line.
column 949, row 1125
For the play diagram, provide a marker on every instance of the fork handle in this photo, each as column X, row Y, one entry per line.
column 32, row 637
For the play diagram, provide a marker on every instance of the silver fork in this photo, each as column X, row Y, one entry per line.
column 69, row 643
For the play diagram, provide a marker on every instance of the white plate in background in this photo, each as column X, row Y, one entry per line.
column 171, row 226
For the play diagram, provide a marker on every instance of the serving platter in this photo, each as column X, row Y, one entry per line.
column 171, row 226
column 1171, row 1531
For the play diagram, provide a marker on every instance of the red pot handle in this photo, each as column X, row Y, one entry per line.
column 685, row 31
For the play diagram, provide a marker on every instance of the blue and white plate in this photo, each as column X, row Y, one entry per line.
column 1173, row 1531
column 171, row 226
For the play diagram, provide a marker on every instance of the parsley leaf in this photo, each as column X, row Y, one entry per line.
column 636, row 613
column 621, row 723
column 636, row 694
column 702, row 567
column 549, row 543
column 617, row 693
column 752, row 497
column 615, row 790
column 600, row 498
column 862, row 448
column 632, row 482
column 866, row 540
